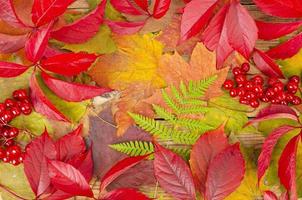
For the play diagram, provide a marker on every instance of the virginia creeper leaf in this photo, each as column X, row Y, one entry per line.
column 269, row 31
column 266, row 65
column 226, row 171
column 268, row 147
column 287, row 166
column 125, row 28
column 44, row 11
column 74, row 92
column 41, row 103
column 203, row 152
column 68, row 64
column 11, row 43
column 83, row 29
column 124, row 194
column 161, row 7
column 68, row 179
column 125, row 6
column 143, row 4
column 8, row 69
column 35, row 162
column 269, row 195
column 173, row 174
column 8, row 13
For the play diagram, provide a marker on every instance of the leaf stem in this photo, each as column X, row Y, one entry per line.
column 12, row 193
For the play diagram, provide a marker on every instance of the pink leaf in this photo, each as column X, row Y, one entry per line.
column 143, row 4
column 269, row 195
column 9, row 15
column 37, row 43
column 68, row 64
column 68, row 179
column 269, row 31
column 125, row 28
column 83, row 29
column 8, row 69
column 268, row 147
column 70, row 145
column 215, row 37
column 286, row 49
column 173, row 174
column 226, row 171
column 74, row 92
column 35, row 163
column 50, row 52
column 274, row 111
column 287, row 166
column 196, row 15
column 241, row 29
column 125, row 6
column 44, row 11
column 125, row 194
column 119, row 168
column 281, row 8
column 42, row 104
column 203, row 152
column 11, row 43
column 266, row 65
column 161, row 7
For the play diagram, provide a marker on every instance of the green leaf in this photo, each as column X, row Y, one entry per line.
column 101, row 43
column 292, row 66
column 14, row 179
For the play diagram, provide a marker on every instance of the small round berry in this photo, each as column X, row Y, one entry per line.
column 258, row 80
column 292, row 87
column 254, row 103
column 245, row 67
column 277, row 87
column 258, row 90
column 284, row 102
column 13, row 132
column 233, row 92
column 2, row 153
column 2, row 108
column 9, row 143
column 295, row 79
column 273, row 81
column 228, row 84
column 244, row 101
column 5, row 159
column 236, row 71
column 25, row 108
column 265, row 99
column 270, row 93
column 16, row 111
column 248, row 85
column 250, row 95
column 240, row 79
column 289, row 97
column 275, row 101
column 6, row 117
column 296, row 100
column 14, row 162
column 21, row 157
column 9, row 103
column 241, row 91
column 13, row 152
column 20, row 94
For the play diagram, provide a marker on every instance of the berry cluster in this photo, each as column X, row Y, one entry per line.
column 252, row 91
column 11, row 108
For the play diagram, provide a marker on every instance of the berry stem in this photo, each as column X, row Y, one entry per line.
column 12, row 193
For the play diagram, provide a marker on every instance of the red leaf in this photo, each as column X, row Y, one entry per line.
column 68, row 179
column 161, row 7
column 241, row 29
column 68, row 64
column 83, row 29
column 286, row 49
column 196, row 15
column 8, row 69
column 35, row 163
column 37, row 43
column 143, row 4
column 281, row 8
column 125, row 6
column 274, row 111
column 70, row 145
column 226, row 171
column 266, row 65
column 173, row 174
column 11, row 43
column 119, row 168
column 203, row 152
column 269, row 195
column 44, row 11
column 8, row 13
column 42, row 104
column 268, row 147
column 125, row 194
column 74, row 92
column 287, row 166
column 269, row 31
column 215, row 37
column 125, row 28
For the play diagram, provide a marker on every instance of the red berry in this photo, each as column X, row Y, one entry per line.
column 254, row 103
column 258, row 80
column 273, row 81
column 295, row 79
column 9, row 103
column 16, row 111
column 236, row 71
column 275, row 101
column 240, row 79
column 228, row 84
column 2, row 108
column 241, row 91
column 6, row 117
column 13, row 152
column 233, row 92
column 264, row 99
column 296, row 100
column 250, row 96
column 258, row 90
column 20, row 94
column 277, row 87
column 245, row 67
column 270, row 93
column 9, row 143
column 284, row 102
column 289, row 97
column 14, row 162
column 5, row 159
column 244, row 101
column 292, row 87
column 248, row 85
column 25, row 108
column 21, row 157
column 2, row 153
column 13, row 132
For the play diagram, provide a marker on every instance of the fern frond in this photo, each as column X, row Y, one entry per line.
column 198, row 89
column 163, row 113
column 170, row 102
column 134, row 148
column 193, row 110
column 193, row 124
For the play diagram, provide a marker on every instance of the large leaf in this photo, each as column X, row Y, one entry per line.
column 125, row 6
column 11, row 43
column 223, row 178
column 8, row 69
column 8, row 13
column 83, row 29
column 173, row 174
column 124, row 194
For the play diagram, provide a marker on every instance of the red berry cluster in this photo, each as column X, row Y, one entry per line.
column 11, row 108
column 252, row 91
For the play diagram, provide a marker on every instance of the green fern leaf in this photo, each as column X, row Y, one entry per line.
column 134, row 148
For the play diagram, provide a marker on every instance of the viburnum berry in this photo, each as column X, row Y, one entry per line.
column 270, row 93
column 236, row 71
column 254, row 103
column 6, row 117
column 2, row 108
column 277, row 87
column 258, row 80
column 296, row 100
column 244, row 101
column 16, row 111
column 241, row 91
column 248, row 85
column 245, row 67
column 289, row 97
column 295, row 79
column 228, row 84
column 240, row 79
column 272, row 81
column 264, row 99
column 292, row 87
column 20, row 94
column 25, row 108
column 9, row 103
column 2, row 153
column 233, row 92
column 13, row 132
column 13, row 152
